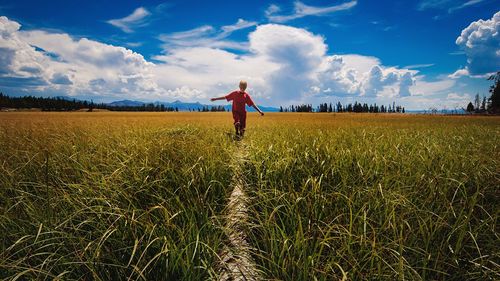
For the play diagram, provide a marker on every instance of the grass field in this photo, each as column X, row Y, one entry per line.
column 104, row 196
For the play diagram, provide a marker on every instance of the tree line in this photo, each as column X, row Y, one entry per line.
column 46, row 104
column 218, row 108
column 64, row 104
column 339, row 107
column 150, row 107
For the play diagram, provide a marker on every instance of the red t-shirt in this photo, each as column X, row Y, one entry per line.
column 240, row 99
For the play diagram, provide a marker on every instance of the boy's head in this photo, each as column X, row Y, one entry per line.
column 243, row 85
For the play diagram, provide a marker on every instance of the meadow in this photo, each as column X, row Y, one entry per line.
column 141, row 196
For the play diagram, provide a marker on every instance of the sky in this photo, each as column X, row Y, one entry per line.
column 419, row 53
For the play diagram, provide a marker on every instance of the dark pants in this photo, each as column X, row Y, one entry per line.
column 240, row 117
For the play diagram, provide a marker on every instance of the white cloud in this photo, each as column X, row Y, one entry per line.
column 417, row 66
column 209, row 70
column 456, row 100
column 449, row 5
column 206, row 36
column 480, row 41
column 335, row 78
column 18, row 60
column 429, row 88
column 298, row 53
column 240, row 24
column 304, row 65
column 62, row 79
column 387, row 82
column 361, row 63
column 284, row 64
column 302, row 10
column 455, row 96
column 133, row 44
column 459, row 73
column 405, row 83
column 465, row 5
column 77, row 66
column 433, row 4
column 132, row 21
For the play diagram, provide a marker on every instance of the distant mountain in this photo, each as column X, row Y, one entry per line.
column 182, row 106
column 264, row 108
column 185, row 106
column 126, row 103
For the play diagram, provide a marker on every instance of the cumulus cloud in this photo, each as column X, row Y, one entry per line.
column 61, row 79
column 480, row 41
column 388, row 82
column 297, row 52
column 132, row 21
column 406, row 81
column 302, row 10
column 18, row 59
column 335, row 78
column 283, row 64
column 208, row 69
column 304, row 66
column 56, row 60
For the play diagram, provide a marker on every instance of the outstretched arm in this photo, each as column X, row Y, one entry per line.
column 219, row 98
column 258, row 109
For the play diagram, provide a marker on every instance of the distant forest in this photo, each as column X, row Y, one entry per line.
column 356, row 107
column 65, row 104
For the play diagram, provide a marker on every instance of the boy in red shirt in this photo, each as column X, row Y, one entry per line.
column 240, row 99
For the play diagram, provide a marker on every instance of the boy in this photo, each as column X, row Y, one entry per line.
column 240, row 99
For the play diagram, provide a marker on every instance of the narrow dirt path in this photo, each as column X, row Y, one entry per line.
column 236, row 260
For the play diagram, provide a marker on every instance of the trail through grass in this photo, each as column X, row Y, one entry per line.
column 236, row 258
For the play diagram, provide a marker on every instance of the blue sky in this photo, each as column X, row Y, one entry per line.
column 421, row 53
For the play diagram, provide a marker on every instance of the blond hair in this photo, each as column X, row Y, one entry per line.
column 243, row 85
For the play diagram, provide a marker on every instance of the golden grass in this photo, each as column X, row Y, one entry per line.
column 113, row 195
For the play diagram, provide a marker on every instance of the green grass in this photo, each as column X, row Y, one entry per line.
column 111, row 201
column 333, row 196
column 403, row 199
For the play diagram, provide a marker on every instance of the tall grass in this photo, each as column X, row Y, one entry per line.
column 107, row 196
column 110, row 198
column 385, row 198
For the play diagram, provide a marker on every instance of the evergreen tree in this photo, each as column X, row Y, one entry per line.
column 494, row 100
column 470, row 107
